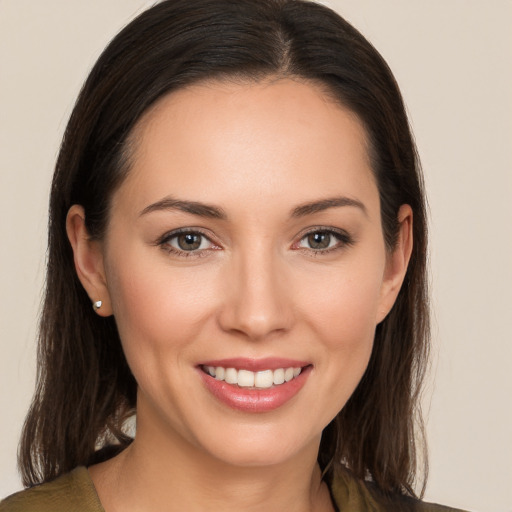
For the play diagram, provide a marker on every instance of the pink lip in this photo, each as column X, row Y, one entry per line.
column 250, row 399
column 256, row 365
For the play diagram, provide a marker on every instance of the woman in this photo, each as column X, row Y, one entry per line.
column 239, row 198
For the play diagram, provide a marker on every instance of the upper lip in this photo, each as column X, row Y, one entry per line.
column 256, row 365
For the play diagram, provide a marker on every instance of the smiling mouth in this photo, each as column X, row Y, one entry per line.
column 257, row 380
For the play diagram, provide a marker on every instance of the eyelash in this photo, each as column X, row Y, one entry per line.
column 343, row 238
column 164, row 242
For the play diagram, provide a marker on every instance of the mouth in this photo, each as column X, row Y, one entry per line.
column 254, row 386
column 263, row 379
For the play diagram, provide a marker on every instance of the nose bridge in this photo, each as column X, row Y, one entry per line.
column 257, row 303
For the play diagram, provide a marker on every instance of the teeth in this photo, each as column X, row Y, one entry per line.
column 231, row 376
column 264, row 379
column 279, row 376
column 247, row 379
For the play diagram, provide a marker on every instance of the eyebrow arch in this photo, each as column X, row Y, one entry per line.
column 331, row 202
column 194, row 207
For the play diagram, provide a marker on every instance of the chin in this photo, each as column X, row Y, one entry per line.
column 258, row 446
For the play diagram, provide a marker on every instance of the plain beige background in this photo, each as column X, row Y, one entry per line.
column 452, row 59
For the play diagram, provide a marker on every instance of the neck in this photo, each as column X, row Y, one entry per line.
column 164, row 472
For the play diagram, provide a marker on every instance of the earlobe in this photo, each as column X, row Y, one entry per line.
column 397, row 263
column 88, row 258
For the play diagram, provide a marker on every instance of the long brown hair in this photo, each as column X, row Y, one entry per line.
column 85, row 389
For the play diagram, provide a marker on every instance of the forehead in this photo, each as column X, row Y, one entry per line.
column 252, row 139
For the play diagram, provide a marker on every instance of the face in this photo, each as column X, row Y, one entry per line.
column 245, row 265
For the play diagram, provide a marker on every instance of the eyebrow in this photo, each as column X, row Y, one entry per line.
column 324, row 204
column 194, row 207
column 214, row 212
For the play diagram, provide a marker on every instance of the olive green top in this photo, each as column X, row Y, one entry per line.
column 72, row 492
column 75, row 492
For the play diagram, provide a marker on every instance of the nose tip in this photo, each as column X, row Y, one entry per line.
column 256, row 304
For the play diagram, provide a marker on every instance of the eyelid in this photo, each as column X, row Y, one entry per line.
column 345, row 239
column 163, row 241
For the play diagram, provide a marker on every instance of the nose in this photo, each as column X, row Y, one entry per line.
column 257, row 299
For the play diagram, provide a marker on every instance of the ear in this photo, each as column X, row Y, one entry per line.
column 397, row 263
column 88, row 257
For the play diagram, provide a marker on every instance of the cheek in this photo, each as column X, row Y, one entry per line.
column 158, row 310
column 344, row 303
column 342, row 314
column 347, row 330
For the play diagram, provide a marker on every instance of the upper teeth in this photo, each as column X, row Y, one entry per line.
column 248, row 379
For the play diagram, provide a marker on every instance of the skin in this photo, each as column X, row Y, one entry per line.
column 255, row 288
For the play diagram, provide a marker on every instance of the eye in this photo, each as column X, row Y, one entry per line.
column 324, row 240
column 186, row 242
column 318, row 240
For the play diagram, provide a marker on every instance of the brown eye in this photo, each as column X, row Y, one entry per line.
column 319, row 240
column 189, row 241
column 325, row 240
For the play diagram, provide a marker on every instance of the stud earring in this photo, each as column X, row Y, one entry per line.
column 97, row 305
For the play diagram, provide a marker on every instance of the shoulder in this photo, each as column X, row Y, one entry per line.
column 354, row 495
column 73, row 491
column 422, row 506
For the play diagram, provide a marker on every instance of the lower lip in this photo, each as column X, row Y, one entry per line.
column 255, row 400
